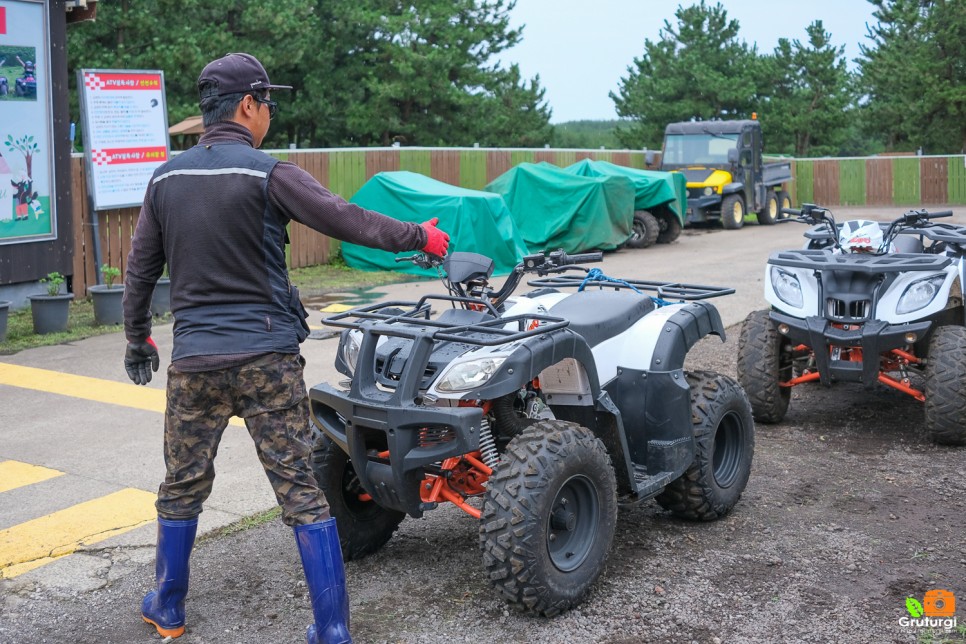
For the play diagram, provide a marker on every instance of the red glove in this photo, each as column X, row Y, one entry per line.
column 436, row 240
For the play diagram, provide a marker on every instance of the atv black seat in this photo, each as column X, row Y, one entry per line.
column 599, row 315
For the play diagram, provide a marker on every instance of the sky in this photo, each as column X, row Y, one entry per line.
column 582, row 48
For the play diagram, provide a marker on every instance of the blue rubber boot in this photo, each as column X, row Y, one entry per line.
column 164, row 607
column 325, row 576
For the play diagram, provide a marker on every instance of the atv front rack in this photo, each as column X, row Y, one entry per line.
column 664, row 290
column 414, row 321
column 824, row 260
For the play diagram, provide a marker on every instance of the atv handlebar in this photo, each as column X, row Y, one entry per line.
column 422, row 260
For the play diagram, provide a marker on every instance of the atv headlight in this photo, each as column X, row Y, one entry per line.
column 787, row 287
column 708, row 191
column 350, row 350
column 464, row 376
column 919, row 294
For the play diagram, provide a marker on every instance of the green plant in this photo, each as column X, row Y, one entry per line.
column 53, row 282
column 110, row 274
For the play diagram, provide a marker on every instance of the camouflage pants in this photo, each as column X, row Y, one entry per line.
column 269, row 393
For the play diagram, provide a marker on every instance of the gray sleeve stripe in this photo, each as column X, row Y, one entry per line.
column 254, row 173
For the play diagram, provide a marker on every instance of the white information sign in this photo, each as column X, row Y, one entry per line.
column 125, row 126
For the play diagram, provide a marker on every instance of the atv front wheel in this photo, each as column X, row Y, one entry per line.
column 645, row 230
column 670, row 227
column 364, row 525
column 945, row 404
column 733, row 212
column 549, row 517
column 761, row 365
column 724, row 436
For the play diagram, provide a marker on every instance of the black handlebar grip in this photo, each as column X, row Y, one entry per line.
column 941, row 213
column 791, row 211
column 581, row 258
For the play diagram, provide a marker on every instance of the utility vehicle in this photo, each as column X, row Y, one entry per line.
column 879, row 304
column 534, row 415
column 726, row 177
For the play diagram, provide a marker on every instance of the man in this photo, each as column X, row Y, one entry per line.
column 216, row 215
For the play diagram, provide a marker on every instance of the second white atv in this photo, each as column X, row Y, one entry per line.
column 877, row 304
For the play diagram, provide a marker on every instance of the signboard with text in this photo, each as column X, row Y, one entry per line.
column 125, row 127
column 27, row 197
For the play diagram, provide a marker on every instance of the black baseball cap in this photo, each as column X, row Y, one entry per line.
column 235, row 73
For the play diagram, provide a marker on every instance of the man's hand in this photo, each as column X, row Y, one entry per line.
column 436, row 240
column 140, row 359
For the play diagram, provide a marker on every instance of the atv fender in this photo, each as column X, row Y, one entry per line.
column 732, row 188
column 655, row 404
column 681, row 331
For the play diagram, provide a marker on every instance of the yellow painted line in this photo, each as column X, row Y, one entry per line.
column 86, row 388
column 335, row 307
column 40, row 541
column 14, row 474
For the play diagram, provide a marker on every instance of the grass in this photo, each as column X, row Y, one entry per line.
column 321, row 279
column 248, row 523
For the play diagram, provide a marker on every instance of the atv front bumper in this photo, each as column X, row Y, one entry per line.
column 874, row 337
column 416, row 437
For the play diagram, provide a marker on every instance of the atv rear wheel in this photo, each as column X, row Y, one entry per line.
column 549, row 517
column 769, row 214
column 945, row 389
column 670, row 227
column 733, row 212
column 724, row 436
column 364, row 525
column 762, row 363
column 645, row 230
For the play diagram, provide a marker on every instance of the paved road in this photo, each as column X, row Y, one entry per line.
column 80, row 447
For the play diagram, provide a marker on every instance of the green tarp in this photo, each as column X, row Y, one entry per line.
column 651, row 188
column 557, row 209
column 476, row 221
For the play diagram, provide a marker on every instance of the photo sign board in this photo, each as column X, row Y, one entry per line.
column 27, row 198
column 125, row 125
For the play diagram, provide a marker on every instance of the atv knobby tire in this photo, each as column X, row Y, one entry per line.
column 670, row 227
column 645, row 230
column 364, row 526
column 733, row 212
column 549, row 517
column 724, row 436
column 761, row 365
column 945, row 389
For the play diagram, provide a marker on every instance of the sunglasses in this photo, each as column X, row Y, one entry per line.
column 272, row 105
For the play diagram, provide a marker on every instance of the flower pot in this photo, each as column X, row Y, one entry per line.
column 107, row 304
column 161, row 298
column 50, row 312
column 4, row 310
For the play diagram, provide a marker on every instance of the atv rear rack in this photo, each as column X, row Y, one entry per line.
column 414, row 321
column 824, row 260
column 664, row 290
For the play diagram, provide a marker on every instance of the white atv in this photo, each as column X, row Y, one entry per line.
column 877, row 304
column 533, row 415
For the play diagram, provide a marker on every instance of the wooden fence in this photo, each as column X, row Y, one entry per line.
column 870, row 181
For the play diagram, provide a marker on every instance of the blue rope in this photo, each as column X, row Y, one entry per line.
column 597, row 275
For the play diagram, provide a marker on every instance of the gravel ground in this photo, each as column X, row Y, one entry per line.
column 849, row 510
